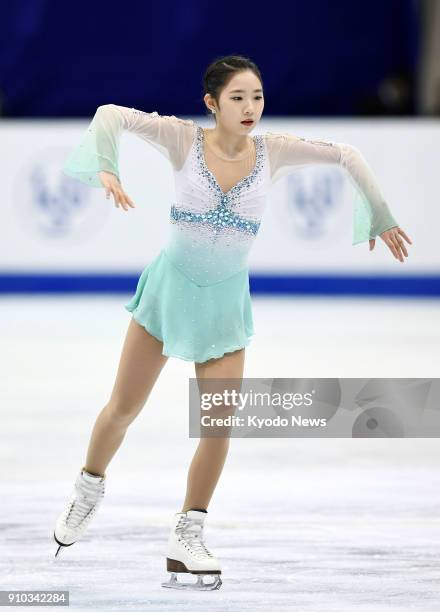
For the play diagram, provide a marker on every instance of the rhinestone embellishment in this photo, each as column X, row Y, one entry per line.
column 221, row 216
column 217, row 217
column 244, row 183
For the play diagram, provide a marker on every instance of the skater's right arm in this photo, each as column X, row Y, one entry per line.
column 95, row 160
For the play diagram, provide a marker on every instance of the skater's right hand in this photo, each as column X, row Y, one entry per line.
column 112, row 185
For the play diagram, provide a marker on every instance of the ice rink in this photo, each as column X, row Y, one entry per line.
column 317, row 525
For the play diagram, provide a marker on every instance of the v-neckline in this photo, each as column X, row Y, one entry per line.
column 205, row 166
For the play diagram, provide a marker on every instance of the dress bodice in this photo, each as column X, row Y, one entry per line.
column 212, row 230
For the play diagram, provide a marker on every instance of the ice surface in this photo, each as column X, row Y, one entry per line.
column 318, row 525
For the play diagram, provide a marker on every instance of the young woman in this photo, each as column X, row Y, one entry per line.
column 193, row 300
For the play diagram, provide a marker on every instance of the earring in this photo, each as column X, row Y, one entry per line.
column 212, row 111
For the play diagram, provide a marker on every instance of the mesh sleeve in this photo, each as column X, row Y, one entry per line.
column 371, row 214
column 98, row 149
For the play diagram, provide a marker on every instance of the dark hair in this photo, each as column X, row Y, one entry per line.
column 220, row 72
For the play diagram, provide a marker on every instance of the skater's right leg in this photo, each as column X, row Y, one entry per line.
column 140, row 364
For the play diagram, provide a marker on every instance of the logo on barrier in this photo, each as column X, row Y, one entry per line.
column 316, row 204
column 55, row 207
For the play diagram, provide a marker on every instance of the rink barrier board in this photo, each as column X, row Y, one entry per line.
column 359, row 285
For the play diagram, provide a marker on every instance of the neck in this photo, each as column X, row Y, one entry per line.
column 227, row 143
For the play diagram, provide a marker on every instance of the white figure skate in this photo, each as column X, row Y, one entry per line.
column 81, row 507
column 187, row 553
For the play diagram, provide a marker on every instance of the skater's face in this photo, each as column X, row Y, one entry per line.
column 242, row 98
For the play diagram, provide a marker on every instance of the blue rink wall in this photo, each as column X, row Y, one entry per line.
column 59, row 235
column 396, row 286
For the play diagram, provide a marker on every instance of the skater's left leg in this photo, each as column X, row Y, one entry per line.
column 210, row 455
column 186, row 551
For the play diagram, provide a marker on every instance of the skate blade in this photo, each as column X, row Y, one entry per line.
column 58, row 550
column 60, row 546
column 200, row 585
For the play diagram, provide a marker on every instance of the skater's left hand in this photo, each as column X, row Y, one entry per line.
column 393, row 240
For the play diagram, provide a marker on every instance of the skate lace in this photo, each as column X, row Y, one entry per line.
column 191, row 533
column 84, row 503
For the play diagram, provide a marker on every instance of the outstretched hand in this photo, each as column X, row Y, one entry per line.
column 393, row 240
column 113, row 186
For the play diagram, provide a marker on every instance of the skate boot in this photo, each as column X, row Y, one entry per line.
column 81, row 507
column 187, row 553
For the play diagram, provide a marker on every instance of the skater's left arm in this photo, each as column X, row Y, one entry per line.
column 372, row 216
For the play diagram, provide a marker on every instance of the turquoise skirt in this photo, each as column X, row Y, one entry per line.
column 195, row 323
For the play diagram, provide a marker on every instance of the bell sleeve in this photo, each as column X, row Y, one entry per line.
column 371, row 214
column 98, row 149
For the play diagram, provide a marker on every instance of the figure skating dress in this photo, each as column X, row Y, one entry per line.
column 194, row 296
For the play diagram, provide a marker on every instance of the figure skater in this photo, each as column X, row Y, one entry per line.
column 193, row 301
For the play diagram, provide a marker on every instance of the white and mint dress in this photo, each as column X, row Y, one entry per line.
column 194, row 296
